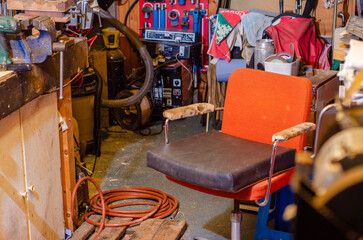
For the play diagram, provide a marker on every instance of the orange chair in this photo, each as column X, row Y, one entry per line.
column 237, row 162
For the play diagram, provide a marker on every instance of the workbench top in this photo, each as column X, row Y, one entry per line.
column 17, row 89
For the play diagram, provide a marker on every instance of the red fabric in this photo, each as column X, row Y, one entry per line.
column 300, row 32
column 222, row 50
column 233, row 17
column 251, row 193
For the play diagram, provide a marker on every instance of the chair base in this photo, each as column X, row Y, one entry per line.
column 284, row 198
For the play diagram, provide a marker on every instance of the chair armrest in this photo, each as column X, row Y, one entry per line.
column 188, row 111
column 294, row 131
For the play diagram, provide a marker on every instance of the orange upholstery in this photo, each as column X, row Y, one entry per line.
column 255, row 109
column 255, row 192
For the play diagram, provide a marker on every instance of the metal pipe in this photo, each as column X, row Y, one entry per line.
column 61, row 67
column 272, row 163
column 334, row 26
column 325, row 109
column 236, row 219
column 167, row 131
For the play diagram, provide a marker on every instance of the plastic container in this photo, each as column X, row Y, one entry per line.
column 291, row 69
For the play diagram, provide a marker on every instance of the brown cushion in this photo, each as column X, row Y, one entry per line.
column 219, row 161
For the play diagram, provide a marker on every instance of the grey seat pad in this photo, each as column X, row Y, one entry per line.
column 219, row 161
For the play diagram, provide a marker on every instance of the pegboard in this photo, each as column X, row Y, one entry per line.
column 174, row 6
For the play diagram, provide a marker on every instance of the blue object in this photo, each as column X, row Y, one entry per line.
column 197, row 15
column 155, row 16
column 174, row 17
column 162, row 16
column 181, row 2
column 224, row 68
column 284, row 197
column 185, row 20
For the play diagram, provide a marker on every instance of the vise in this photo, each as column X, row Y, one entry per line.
column 30, row 39
column 26, row 47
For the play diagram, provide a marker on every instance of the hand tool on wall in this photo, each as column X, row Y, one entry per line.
column 162, row 16
column 185, row 20
column 197, row 15
column 174, row 17
column 281, row 5
column 155, row 16
column 146, row 10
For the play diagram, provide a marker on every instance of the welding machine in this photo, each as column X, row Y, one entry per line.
column 172, row 85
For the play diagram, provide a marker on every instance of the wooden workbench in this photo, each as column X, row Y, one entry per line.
column 37, row 169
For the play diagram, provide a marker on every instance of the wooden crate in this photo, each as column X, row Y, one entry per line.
column 160, row 229
column 40, row 5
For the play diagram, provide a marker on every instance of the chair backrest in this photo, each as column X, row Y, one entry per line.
column 259, row 104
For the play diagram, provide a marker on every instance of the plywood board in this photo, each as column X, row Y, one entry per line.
column 131, row 59
column 99, row 59
column 13, row 210
column 39, row 120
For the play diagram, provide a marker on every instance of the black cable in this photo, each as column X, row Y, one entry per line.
column 129, row 10
column 309, row 6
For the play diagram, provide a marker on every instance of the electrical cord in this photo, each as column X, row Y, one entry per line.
column 164, row 204
column 191, row 75
column 70, row 81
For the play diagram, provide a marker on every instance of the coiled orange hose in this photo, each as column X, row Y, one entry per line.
column 164, row 204
column 74, row 193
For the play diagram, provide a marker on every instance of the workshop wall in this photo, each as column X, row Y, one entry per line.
column 133, row 23
column 324, row 18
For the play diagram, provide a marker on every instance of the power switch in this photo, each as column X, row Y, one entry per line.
column 181, row 51
column 176, row 82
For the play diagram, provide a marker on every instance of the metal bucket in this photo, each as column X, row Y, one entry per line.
column 264, row 48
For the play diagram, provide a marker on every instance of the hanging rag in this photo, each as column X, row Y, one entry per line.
column 226, row 22
column 254, row 24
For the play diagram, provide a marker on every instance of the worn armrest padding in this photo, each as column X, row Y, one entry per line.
column 219, row 161
column 188, row 111
column 294, row 131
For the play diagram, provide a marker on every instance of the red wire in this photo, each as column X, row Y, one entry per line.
column 90, row 45
column 88, row 32
column 81, row 81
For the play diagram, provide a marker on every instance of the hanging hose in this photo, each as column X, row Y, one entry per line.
column 129, row 10
column 145, row 56
column 97, row 112
column 164, row 204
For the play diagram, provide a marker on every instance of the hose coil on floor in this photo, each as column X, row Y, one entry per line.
column 164, row 204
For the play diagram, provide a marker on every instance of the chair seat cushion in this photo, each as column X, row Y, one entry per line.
column 219, row 161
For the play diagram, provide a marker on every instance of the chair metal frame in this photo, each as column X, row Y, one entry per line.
column 236, row 216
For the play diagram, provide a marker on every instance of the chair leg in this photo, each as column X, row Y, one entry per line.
column 284, row 197
column 236, row 219
column 263, row 232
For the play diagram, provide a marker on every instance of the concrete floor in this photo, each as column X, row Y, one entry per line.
column 123, row 164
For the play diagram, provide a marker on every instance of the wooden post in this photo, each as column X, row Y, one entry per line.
column 67, row 154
